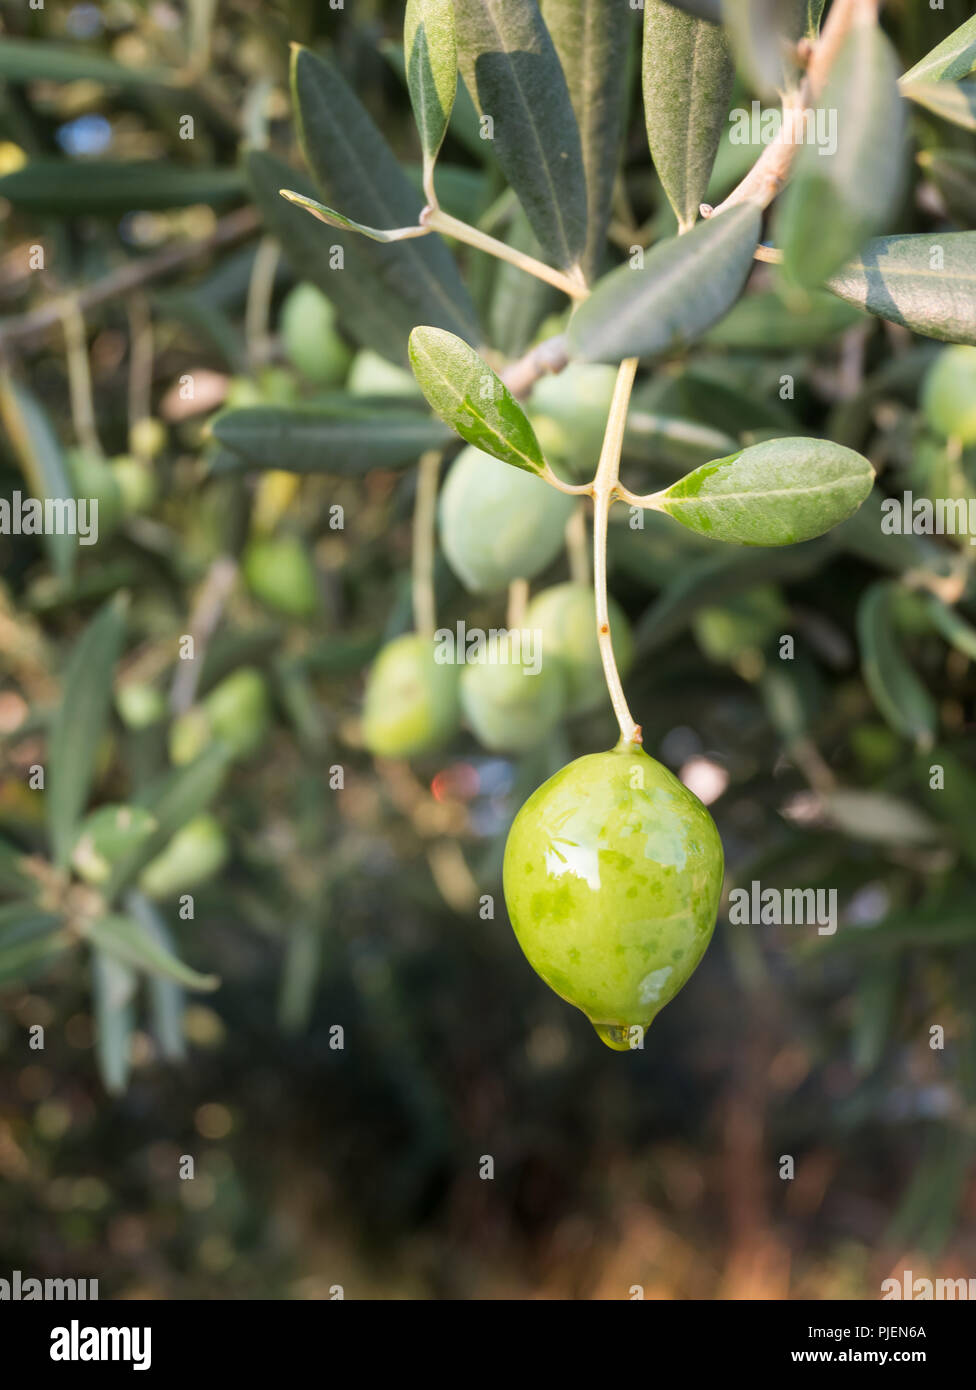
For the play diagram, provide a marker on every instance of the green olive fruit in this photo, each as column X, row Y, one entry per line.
column 106, row 837
column 280, row 572
column 498, row 523
column 748, row 621
column 242, row 392
column 565, row 615
column 194, row 854
column 140, row 705
column 239, row 711
column 189, row 735
column 411, row 703
column 510, row 707
column 612, row 877
column 949, row 394
column 569, row 414
column 93, row 479
column 308, row 332
column 371, row 375
column 147, row 437
column 136, row 483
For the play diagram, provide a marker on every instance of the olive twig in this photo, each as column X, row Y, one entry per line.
column 79, row 376
column 424, row 509
column 604, row 489
column 437, row 220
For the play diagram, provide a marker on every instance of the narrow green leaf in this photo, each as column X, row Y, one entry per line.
column 39, row 454
column 511, row 69
column 430, row 54
column 953, row 101
column 30, row 939
column 687, row 75
column 108, row 835
column 879, row 818
column 464, row 391
column 687, row 283
column 167, row 1001
column 898, row 693
column 113, row 992
column 335, row 219
column 299, row 977
column 79, row 724
column 591, row 39
column 764, row 35
column 31, row 60
column 126, row 940
column 109, row 188
column 928, row 928
column 954, row 174
column 307, row 439
column 358, row 173
column 874, row 1013
column 926, row 283
column 838, row 197
column 764, row 322
column 774, row 493
column 14, row 876
column 952, row 626
column 953, row 58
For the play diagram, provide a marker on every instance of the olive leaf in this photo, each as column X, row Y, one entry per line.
column 166, row 997
column 591, row 41
column 954, row 174
column 685, row 285
column 464, row 391
column 774, row 493
column 950, row 625
column 38, row 452
column 953, row 101
column 358, row 172
column 701, row 9
column 79, row 724
column 430, row 55
column 312, row 439
column 764, row 35
column 953, row 58
column 511, row 69
column 30, row 938
column 839, row 197
column 335, row 219
column 114, row 987
column 126, row 940
column 27, row 60
column 106, row 188
column 687, row 78
column 926, row 283
column 898, row 693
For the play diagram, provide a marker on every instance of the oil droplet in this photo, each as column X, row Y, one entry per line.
column 615, row 1035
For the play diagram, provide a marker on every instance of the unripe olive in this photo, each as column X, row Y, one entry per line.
column 189, row 735
column 92, row 478
column 147, row 437
column 136, row 483
column 239, row 711
column 569, row 414
column 279, row 571
column 140, row 705
column 371, row 375
column 194, row 854
column 949, row 394
column 565, row 615
column 106, row 837
column 612, row 876
column 411, row 703
column 498, row 523
column 308, row 333
column 510, row 708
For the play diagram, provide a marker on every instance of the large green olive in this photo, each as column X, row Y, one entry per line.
column 566, row 618
column 511, row 708
column 308, row 332
column 279, row 571
column 612, row 876
column 411, row 704
column 949, row 394
column 498, row 523
column 371, row 375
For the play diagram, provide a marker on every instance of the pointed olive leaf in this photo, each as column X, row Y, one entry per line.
column 953, row 101
column 950, row 625
column 340, row 265
column 954, row 174
column 30, row 60
column 335, row 219
column 307, row 439
column 464, row 124
column 513, row 73
column 126, row 940
column 79, row 724
column 30, row 939
column 109, row 188
column 430, row 55
column 765, row 322
column 814, row 14
column 359, row 173
column 774, row 493
column 166, row 998
column 464, row 391
column 113, row 991
column 953, row 58
column 38, row 452
column 591, row 39
column 877, row 816
column 837, row 198
column 926, row 283
column 764, row 35
column 898, row 693
column 687, row 283
column 687, row 76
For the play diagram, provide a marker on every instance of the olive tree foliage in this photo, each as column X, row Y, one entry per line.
column 702, row 274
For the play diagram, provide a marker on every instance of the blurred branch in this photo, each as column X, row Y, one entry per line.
column 206, row 615
column 79, row 376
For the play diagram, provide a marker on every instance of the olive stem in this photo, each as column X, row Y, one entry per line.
column 79, row 377
column 424, row 512
column 437, row 220
column 576, row 547
column 260, row 291
column 604, row 490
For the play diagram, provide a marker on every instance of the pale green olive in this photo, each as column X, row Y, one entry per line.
column 308, row 332
column 411, row 704
column 565, row 617
column 511, row 707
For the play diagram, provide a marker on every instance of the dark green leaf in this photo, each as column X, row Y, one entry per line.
column 14, row 877
column 928, row 928
column 591, row 39
column 299, row 977
column 926, row 283
column 839, row 197
column 30, row 60
column 774, row 493
column 764, row 322
column 953, row 101
column 688, row 74
column 953, row 58
column 126, row 940
column 464, row 391
column 307, row 439
column 37, row 449
column 166, row 997
column 359, row 174
column 113, row 992
column 79, row 724
column 511, row 69
column 898, row 693
column 430, row 53
column 30, row 939
column 687, row 283
column 109, row 188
